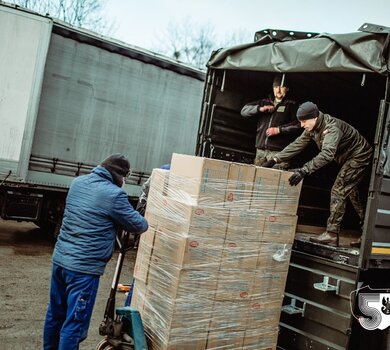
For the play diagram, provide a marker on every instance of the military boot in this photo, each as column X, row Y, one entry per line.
column 329, row 238
column 356, row 244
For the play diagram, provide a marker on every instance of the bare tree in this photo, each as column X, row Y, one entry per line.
column 186, row 42
column 88, row 14
column 239, row 36
column 193, row 43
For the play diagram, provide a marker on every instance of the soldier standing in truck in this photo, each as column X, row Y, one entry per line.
column 277, row 125
column 338, row 141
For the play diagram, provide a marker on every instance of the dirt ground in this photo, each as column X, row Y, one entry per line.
column 25, row 265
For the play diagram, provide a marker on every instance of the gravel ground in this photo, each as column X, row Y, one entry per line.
column 25, row 265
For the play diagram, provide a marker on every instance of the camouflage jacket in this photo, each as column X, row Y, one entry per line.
column 336, row 140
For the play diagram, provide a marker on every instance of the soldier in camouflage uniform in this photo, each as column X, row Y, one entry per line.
column 338, row 141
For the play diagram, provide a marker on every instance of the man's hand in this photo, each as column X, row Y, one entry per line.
column 272, row 131
column 141, row 206
column 269, row 163
column 268, row 108
column 297, row 177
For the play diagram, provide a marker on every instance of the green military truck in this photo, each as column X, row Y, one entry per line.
column 335, row 298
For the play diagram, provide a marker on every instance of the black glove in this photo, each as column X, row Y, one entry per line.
column 269, row 163
column 297, row 177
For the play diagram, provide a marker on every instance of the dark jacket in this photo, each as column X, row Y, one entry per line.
column 283, row 116
column 336, row 140
column 95, row 208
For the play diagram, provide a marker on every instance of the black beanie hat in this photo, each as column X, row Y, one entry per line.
column 118, row 166
column 307, row 110
column 278, row 80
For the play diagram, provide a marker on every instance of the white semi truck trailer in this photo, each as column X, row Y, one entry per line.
column 70, row 97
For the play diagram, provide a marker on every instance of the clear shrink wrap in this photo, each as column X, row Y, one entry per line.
column 211, row 270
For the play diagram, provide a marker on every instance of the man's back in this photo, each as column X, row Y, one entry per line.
column 95, row 206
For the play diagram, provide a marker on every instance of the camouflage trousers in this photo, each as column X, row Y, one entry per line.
column 262, row 155
column 346, row 186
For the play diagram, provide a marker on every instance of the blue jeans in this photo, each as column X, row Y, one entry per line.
column 72, row 297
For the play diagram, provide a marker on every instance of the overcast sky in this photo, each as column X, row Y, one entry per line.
column 139, row 22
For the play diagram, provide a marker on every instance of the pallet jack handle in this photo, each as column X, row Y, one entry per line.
column 109, row 314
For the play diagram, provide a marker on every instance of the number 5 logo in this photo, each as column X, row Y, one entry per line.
column 374, row 307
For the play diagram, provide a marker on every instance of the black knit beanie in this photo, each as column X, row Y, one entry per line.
column 118, row 166
column 307, row 110
column 278, row 80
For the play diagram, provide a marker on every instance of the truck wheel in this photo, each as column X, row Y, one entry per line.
column 104, row 345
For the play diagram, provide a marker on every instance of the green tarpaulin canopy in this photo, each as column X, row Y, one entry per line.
column 353, row 52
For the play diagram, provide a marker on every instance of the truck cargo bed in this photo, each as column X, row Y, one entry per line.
column 344, row 253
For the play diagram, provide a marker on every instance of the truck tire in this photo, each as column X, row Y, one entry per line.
column 104, row 345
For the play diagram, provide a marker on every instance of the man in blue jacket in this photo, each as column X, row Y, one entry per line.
column 96, row 206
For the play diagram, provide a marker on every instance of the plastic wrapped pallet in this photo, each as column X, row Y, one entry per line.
column 211, row 270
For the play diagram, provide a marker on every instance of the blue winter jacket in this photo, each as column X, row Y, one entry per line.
column 95, row 208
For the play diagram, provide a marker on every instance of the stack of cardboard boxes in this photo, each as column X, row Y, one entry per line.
column 211, row 270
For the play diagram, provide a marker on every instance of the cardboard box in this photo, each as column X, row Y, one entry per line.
column 234, row 285
column 157, row 192
column 194, row 315
column 138, row 297
column 279, row 228
column 257, row 340
column 242, row 255
column 269, row 284
column 287, row 198
column 144, row 254
column 161, row 337
column 240, row 185
column 263, row 315
column 274, row 256
column 159, row 181
column 201, row 179
column 187, row 286
column 179, row 252
column 245, row 225
column 172, row 323
column 225, row 340
column 189, row 220
column 193, row 310
column 152, row 216
column 180, row 342
column 265, row 188
column 229, row 315
column 186, row 342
